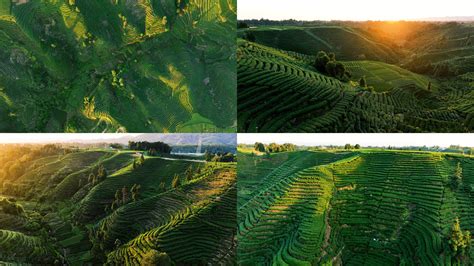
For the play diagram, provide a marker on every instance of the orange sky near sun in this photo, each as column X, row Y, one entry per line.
column 353, row 10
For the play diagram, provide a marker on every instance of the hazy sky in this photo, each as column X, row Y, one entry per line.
column 398, row 140
column 353, row 9
column 61, row 137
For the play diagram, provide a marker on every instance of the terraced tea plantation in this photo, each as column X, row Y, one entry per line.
column 117, row 66
column 115, row 207
column 354, row 207
column 414, row 84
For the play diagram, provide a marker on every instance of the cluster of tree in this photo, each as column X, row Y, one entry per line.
column 176, row 182
column 9, row 206
column 116, row 146
column 460, row 242
column 124, row 195
column 153, row 257
column 327, row 64
column 189, row 175
column 212, row 148
column 288, row 22
column 242, row 25
column 138, row 162
column 190, row 172
column 159, row 147
column 220, row 157
column 350, row 147
column 99, row 176
column 441, row 69
column 363, row 84
column 274, row 147
column 249, row 36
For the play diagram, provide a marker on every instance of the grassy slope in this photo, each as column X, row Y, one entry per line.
column 373, row 208
column 68, row 206
column 384, row 77
column 346, row 43
column 62, row 57
column 280, row 91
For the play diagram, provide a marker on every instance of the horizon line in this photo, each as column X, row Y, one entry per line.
column 428, row 19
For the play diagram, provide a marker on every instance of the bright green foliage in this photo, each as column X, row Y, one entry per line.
column 460, row 241
column 83, row 66
column 318, row 208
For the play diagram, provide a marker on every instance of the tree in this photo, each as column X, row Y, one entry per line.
column 153, row 257
column 357, row 146
column 332, row 56
column 362, row 82
column 249, row 36
column 242, row 25
column 340, row 70
column 117, row 196
column 124, row 195
column 459, row 241
column 208, row 156
column 175, row 182
column 134, row 190
column 101, row 173
column 142, row 159
column 331, row 68
column 321, row 60
column 347, row 146
column 189, row 173
column 91, row 178
column 258, row 146
column 117, row 243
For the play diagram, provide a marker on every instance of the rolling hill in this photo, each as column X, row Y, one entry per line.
column 117, row 66
column 360, row 207
column 411, row 86
column 62, row 209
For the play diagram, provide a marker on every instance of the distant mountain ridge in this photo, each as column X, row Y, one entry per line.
column 188, row 139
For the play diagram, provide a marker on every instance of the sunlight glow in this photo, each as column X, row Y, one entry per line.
column 364, row 139
column 353, row 10
column 60, row 137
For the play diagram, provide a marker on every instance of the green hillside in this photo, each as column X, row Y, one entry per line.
column 67, row 206
column 348, row 43
column 364, row 207
column 409, row 87
column 384, row 77
column 117, row 66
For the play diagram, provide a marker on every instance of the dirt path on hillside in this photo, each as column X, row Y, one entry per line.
column 327, row 234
